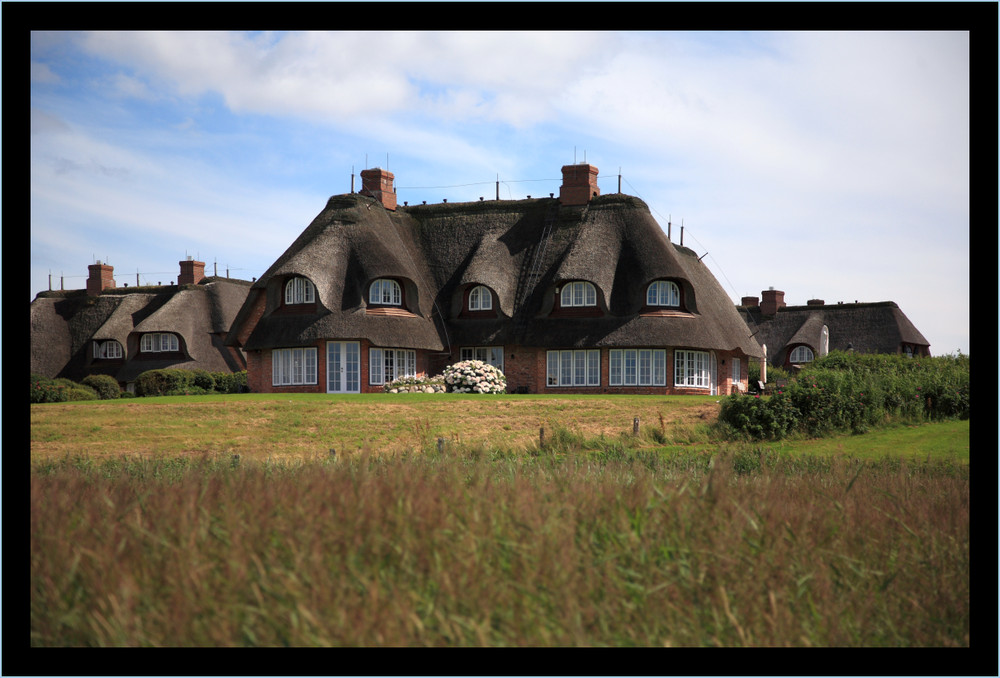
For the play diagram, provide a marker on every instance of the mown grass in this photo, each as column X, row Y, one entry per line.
column 227, row 522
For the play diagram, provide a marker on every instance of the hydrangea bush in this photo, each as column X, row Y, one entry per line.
column 474, row 376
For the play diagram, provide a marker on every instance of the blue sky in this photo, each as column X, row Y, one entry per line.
column 829, row 165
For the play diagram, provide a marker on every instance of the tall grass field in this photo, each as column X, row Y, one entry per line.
column 499, row 521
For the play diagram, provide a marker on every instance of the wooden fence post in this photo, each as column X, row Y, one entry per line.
column 635, row 426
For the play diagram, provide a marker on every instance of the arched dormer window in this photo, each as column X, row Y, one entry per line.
column 663, row 293
column 385, row 291
column 801, row 354
column 159, row 342
column 578, row 293
column 300, row 291
column 480, row 299
column 107, row 350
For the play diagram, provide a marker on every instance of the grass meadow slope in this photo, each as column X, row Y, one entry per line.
column 450, row 520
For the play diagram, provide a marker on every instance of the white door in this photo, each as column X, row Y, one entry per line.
column 713, row 372
column 343, row 367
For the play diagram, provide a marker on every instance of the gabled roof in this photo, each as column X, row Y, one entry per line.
column 438, row 250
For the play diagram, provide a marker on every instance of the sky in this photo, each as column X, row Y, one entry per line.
column 829, row 165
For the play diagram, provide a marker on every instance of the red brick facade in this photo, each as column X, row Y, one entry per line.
column 525, row 369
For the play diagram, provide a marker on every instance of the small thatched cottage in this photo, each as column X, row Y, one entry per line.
column 124, row 331
column 795, row 335
column 581, row 294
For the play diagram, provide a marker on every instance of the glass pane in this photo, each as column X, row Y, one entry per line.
column 594, row 368
column 645, row 368
column 352, row 361
column 630, row 368
column 659, row 367
column 615, row 368
column 591, row 294
column 552, row 368
column 566, row 368
column 333, row 367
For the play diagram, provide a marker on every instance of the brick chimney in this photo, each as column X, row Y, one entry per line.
column 579, row 184
column 101, row 278
column 192, row 272
column 749, row 302
column 377, row 183
column 815, row 302
column 771, row 301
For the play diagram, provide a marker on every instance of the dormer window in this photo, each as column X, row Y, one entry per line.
column 480, row 299
column 578, row 293
column 159, row 343
column 663, row 293
column 107, row 350
column 385, row 291
column 300, row 291
column 801, row 354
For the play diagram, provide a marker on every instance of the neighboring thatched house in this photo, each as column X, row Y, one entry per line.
column 124, row 331
column 795, row 335
column 581, row 293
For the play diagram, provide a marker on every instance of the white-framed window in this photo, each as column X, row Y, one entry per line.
column 737, row 370
column 385, row 291
column 573, row 368
column 663, row 293
column 578, row 293
column 692, row 368
column 480, row 299
column 637, row 367
column 300, row 291
column 110, row 349
column 291, row 366
column 386, row 364
column 491, row 355
column 801, row 354
column 159, row 342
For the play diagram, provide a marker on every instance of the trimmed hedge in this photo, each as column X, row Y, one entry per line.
column 172, row 381
column 105, row 385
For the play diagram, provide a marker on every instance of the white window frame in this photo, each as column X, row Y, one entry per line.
column 388, row 364
column 578, row 293
column 737, row 372
column 663, row 293
column 385, row 291
column 294, row 366
column 637, row 367
column 569, row 368
column 159, row 342
column 491, row 355
column 480, row 299
column 107, row 350
column 300, row 291
column 692, row 369
column 801, row 354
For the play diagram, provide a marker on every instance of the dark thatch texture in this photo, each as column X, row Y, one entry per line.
column 439, row 251
column 878, row 327
column 65, row 325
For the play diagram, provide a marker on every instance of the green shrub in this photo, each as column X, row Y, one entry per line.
column 46, row 390
column 203, row 380
column 75, row 391
column 757, row 418
column 105, row 385
column 230, row 382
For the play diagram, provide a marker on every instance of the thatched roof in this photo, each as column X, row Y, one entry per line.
column 439, row 250
column 64, row 326
column 879, row 327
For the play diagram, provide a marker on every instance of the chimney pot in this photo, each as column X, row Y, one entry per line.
column 579, row 184
column 771, row 301
column 378, row 183
column 192, row 272
column 101, row 278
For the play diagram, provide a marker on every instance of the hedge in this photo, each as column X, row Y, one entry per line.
column 853, row 393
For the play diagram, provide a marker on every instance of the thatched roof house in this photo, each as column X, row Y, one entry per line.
column 795, row 335
column 581, row 293
column 124, row 331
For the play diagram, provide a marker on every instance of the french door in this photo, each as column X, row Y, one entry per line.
column 343, row 367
